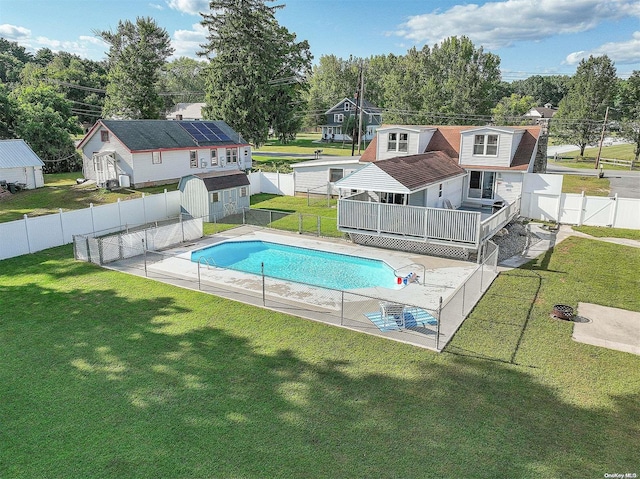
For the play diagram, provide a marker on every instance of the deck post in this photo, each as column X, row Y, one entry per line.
column 438, row 324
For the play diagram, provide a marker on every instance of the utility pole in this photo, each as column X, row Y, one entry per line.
column 604, row 126
column 355, row 116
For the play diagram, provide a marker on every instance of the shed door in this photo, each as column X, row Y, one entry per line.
column 230, row 201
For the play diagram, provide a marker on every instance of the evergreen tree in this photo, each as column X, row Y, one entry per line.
column 255, row 66
column 136, row 55
column 581, row 112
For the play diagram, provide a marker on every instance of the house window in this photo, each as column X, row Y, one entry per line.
column 193, row 159
column 213, row 197
column 243, row 192
column 335, row 174
column 403, row 142
column 486, row 145
column 440, row 191
column 398, row 142
column 214, row 157
column 392, row 144
column 338, row 117
column 104, row 135
column 347, row 106
column 481, row 184
column 232, row 155
column 156, row 159
column 392, row 198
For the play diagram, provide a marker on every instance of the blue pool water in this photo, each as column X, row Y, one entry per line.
column 321, row 268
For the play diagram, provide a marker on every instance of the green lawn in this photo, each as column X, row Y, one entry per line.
column 620, row 152
column 307, row 143
column 591, row 185
column 61, row 191
column 109, row 375
column 604, row 232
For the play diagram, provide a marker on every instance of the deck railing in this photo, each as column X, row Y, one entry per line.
column 422, row 223
column 414, row 222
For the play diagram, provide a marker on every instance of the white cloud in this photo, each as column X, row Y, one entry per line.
column 187, row 42
column 192, row 7
column 156, row 6
column 14, row 32
column 620, row 52
column 500, row 24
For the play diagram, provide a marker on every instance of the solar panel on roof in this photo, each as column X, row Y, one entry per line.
column 205, row 131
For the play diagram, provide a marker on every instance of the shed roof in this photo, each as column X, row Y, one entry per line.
column 17, row 154
column 224, row 180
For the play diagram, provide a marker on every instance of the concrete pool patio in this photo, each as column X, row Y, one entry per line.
column 438, row 278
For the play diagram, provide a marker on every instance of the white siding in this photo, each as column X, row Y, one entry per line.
column 96, row 145
column 316, row 177
column 29, row 175
column 508, row 186
column 503, row 158
column 413, row 146
column 374, row 179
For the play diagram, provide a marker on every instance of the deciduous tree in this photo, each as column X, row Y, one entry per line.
column 581, row 112
column 629, row 107
column 510, row 110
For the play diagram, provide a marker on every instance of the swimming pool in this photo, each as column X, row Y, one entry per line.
column 320, row 268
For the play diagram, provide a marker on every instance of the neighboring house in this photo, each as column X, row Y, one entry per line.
column 339, row 113
column 450, row 186
column 151, row 152
column 214, row 195
column 20, row 165
column 186, row 111
column 541, row 114
column 319, row 176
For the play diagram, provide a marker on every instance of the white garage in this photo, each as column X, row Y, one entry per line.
column 20, row 165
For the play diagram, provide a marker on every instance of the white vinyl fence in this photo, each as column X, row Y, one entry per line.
column 274, row 183
column 542, row 199
column 41, row 232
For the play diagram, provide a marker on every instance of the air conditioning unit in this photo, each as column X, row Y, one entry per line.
column 112, row 184
column 124, row 181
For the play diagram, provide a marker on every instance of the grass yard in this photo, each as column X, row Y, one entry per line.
column 109, row 375
column 604, row 232
column 61, row 191
column 591, row 185
column 619, row 152
column 308, row 143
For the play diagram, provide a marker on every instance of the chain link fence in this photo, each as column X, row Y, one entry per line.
column 302, row 223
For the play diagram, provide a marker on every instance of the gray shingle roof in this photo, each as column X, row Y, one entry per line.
column 138, row 135
column 224, row 180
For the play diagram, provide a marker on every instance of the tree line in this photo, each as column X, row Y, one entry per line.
column 258, row 77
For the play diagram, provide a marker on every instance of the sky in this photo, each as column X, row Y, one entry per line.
column 531, row 37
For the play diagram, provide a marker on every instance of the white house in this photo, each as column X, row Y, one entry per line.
column 452, row 186
column 20, row 165
column 186, row 111
column 541, row 114
column 149, row 152
column 319, row 176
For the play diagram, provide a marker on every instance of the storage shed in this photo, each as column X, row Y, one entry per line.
column 214, row 195
column 20, row 165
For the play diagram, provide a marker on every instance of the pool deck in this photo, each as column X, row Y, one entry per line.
column 440, row 276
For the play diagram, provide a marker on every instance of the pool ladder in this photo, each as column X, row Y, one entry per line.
column 424, row 271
